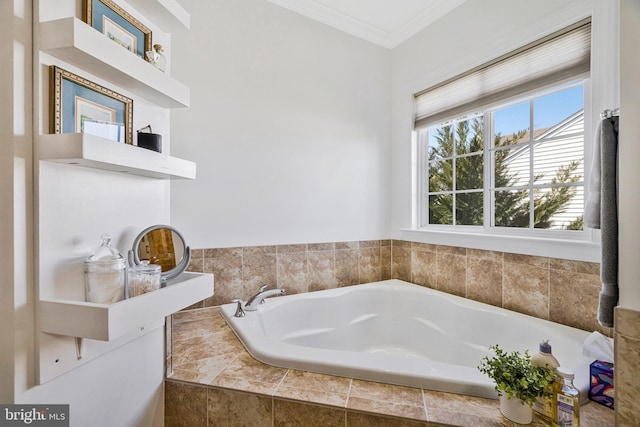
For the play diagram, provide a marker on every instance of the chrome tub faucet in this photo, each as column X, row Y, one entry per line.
column 263, row 292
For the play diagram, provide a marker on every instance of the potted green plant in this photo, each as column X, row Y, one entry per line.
column 518, row 382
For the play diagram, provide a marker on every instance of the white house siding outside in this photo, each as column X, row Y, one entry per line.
column 555, row 147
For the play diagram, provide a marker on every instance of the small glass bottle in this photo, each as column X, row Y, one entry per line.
column 566, row 400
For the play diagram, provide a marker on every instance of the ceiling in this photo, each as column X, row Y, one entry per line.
column 384, row 22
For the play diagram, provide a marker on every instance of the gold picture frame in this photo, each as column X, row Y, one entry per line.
column 74, row 99
column 118, row 25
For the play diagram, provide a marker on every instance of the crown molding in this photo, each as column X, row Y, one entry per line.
column 356, row 27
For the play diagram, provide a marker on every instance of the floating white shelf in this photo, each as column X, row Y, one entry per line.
column 99, row 153
column 75, row 42
column 164, row 13
column 107, row 322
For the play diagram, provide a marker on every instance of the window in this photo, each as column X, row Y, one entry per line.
column 530, row 169
column 502, row 146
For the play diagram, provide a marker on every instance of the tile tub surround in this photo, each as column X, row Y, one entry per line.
column 627, row 367
column 562, row 291
column 217, row 383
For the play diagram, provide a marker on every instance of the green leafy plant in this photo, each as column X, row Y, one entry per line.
column 516, row 376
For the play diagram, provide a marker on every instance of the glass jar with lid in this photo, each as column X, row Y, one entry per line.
column 143, row 278
column 105, row 274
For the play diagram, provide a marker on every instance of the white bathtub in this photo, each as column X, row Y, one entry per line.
column 398, row 333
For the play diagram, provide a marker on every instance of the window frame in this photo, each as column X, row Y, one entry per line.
column 421, row 146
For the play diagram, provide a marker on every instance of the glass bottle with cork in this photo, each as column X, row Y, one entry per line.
column 566, row 400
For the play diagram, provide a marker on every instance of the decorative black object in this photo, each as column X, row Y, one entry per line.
column 149, row 140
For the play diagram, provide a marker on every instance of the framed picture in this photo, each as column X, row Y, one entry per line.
column 115, row 23
column 75, row 101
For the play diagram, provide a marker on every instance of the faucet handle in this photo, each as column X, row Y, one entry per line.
column 262, row 288
column 239, row 311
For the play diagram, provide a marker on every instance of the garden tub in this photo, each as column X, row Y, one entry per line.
column 398, row 333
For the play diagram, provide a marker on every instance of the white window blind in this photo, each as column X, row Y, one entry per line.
column 558, row 57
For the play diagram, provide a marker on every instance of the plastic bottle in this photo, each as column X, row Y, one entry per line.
column 566, row 398
column 544, row 405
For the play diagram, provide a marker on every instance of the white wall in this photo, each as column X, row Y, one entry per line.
column 16, row 314
column 289, row 125
column 472, row 34
column 629, row 153
column 46, row 230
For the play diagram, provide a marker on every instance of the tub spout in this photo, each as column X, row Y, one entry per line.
column 252, row 304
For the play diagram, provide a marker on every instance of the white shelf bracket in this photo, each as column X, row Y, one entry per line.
column 79, row 347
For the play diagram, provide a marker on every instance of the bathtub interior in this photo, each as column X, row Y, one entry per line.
column 400, row 333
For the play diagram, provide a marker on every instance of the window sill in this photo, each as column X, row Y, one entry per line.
column 578, row 250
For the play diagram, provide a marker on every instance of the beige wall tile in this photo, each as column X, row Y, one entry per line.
column 401, row 262
column 368, row 244
column 321, row 246
column 536, row 261
column 484, row 280
column 385, row 262
column 293, row 414
column 453, row 250
column 347, row 245
column 400, row 243
column 282, row 249
column 222, row 252
column 347, row 267
column 258, row 270
column 627, row 322
column 627, row 381
column 520, row 284
column 575, row 266
column 196, row 265
column 423, row 268
column 369, row 264
column 321, row 270
column 627, row 365
column 574, row 300
column 226, row 267
column 451, row 271
column 230, row 409
column 292, row 272
column 184, row 405
column 418, row 246
column 526, row 289
column 258, row 250
column 482, row 254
